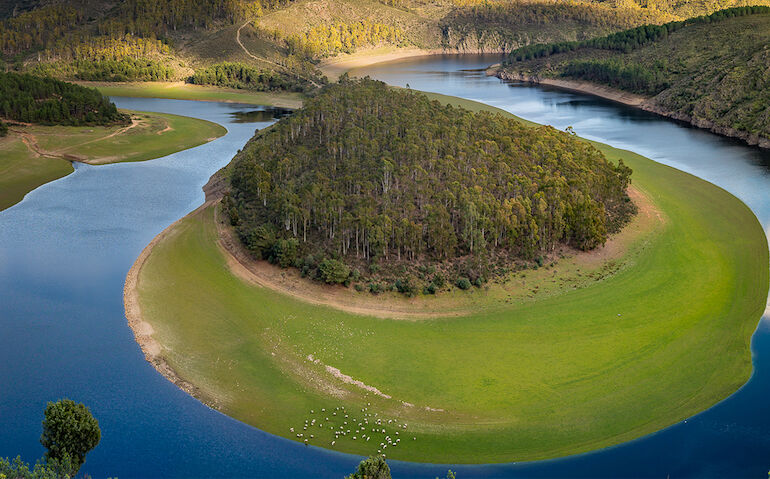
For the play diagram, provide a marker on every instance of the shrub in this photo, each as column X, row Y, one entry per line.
column 376, row 288
column 406, row 286
column 285, row 252
column 463, row 283
column 333, row 271
column 430, row 289
column 438, row 280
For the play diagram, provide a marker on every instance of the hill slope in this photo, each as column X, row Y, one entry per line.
column 724, row 87
column 360, row 179
column 140, row 40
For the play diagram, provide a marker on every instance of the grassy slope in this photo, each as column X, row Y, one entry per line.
column 21, row 170
column 183, row 91
column 726, row 83
column 542, row 378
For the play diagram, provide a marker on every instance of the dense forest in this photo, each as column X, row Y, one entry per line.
column 725, row 87
column 238, row 75
column 368, row 183
column 629, row 40
column 30, row 99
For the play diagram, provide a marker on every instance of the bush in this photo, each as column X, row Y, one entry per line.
column 359, row 287
column 430, row 289
column 3, row 129
column 438, row 280
column 69, row 433
column 374, row 467
column 285, row 252
column 463, row 283
column 406, row 286
column 479, row 282
column 376, row 288
column 333, row 271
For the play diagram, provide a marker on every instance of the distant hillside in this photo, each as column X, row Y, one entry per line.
column 711, row 71
column 164, row 40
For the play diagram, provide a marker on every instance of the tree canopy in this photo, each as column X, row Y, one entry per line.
column 366, row 174
column 32, row 99
column 69, row 433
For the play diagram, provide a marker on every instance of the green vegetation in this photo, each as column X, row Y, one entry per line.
column 182, row 91
column 725, row 87
column 33, row 99
column 21, row 171
column 169, row 40
column 69, row 433
column 34, row 155
column 506, row 25
column 629, row 40
column 238, row 75
column 571, row 357
column 329, row 40
column 435, row 187
column 374, row 467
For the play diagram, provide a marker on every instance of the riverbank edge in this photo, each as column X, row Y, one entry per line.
column 336, row 66
column 640, row 102
column 187, row 91
column 72, row 159
column 213, row 190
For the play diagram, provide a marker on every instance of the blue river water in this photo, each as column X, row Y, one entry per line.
column 65, row 251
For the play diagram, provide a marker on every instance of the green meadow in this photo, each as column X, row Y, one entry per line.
column 186, row 91
column 628, row 350
column 49, row 150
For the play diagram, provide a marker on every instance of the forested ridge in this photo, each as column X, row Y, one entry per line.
column 711, row 71
column 373, row 184
column 30, row 99
column 631, row 39
column 163, row 40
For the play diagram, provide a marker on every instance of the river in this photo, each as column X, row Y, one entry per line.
column 65, row 251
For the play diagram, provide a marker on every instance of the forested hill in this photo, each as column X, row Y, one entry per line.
column 29, row 99
column 713, row 71
column 277, row 44
column 368, row 181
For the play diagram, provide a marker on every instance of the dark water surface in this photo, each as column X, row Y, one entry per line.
column 65, row 251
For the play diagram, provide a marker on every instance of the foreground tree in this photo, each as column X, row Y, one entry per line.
column 374, row 467
column 69, row 433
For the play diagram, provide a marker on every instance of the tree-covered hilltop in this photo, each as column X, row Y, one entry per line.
column 368, row 181
column 724, row 87
column 32, row 99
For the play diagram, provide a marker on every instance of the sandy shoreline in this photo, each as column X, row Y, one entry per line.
column 633, row 100
column 143, row 330
column 334, row 67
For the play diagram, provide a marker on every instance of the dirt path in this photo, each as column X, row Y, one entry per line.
column 265, row 60
column 30, row 141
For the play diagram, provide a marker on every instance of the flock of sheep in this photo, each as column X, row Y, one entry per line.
column 339, row 422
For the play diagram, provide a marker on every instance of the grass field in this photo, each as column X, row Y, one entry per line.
column 185, row 91
column 588, row 365
column 34, row 155
column 21, row 171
